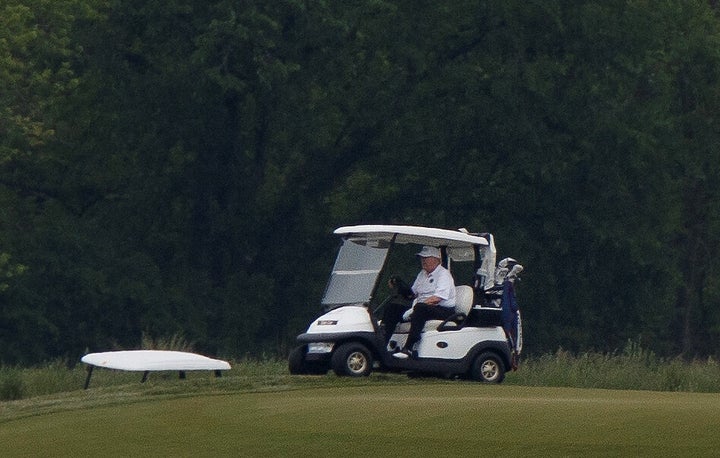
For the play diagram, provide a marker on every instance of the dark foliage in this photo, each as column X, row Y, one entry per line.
column 178, row 166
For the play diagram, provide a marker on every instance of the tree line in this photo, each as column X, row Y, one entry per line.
column 178, row 167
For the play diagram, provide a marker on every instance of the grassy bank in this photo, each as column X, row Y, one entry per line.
column 329, row 416
column 258, row 409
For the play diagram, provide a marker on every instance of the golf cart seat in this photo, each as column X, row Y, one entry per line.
column 463, row 304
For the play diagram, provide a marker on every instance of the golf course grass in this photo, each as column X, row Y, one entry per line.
column 418, row 419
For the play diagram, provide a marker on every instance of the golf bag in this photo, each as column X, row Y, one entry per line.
column 502, row 296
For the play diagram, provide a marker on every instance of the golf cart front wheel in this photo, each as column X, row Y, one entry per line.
column 298, row 366
column 488, row 368
column 352, row 359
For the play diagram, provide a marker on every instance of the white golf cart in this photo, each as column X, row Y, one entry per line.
column 350, row 339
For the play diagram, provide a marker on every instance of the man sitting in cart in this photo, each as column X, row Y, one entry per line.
column 434, row 294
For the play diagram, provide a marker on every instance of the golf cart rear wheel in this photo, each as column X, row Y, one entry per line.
column 488, row 368
column 352, row 359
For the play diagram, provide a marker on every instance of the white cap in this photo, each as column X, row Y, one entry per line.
column 429, row 252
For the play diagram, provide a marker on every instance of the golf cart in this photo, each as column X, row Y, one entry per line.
column 481, row 340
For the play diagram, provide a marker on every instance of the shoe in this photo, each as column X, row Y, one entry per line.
column 402, row 354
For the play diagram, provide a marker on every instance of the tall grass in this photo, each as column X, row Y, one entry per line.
column 632, row 368
column 59, row 377
column 176, row 342
column 50, row 378
column 11, row 384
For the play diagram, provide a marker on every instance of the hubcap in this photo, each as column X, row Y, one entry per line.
column 489, row 370
column 356, row 362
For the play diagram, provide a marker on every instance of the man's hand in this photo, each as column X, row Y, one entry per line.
column 432, row 300
column 404, row 290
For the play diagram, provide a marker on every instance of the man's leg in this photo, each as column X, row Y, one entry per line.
column 392, row 315
column 421, row 313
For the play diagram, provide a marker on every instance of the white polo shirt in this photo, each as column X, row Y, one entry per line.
column 438, row 283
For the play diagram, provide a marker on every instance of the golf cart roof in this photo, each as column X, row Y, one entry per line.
column 413, row 234
column 363, row 254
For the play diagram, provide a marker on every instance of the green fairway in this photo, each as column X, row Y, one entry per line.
column 433, row 419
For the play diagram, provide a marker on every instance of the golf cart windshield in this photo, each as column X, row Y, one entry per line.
column 354, row 274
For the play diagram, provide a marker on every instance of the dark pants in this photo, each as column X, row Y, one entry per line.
column 392, row 315
column 422, row 313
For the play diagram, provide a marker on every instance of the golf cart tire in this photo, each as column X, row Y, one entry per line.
column 488, row 368
column 297, row 365
column 352, row 359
